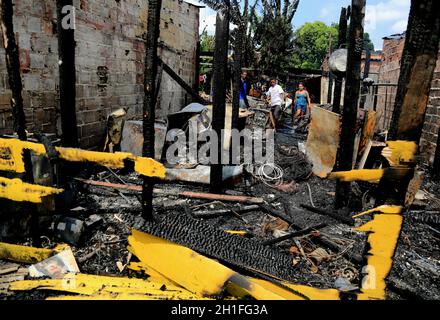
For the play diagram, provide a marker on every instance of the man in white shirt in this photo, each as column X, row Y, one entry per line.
column 277, row 98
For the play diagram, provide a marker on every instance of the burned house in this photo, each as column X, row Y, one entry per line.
column 109, row 54
column 123, row 225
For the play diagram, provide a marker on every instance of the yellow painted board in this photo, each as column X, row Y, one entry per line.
column 24, row 254
column 207, row 277
column 91, row 285
column 383, row 234
column 11, row 158
column 373, row 175
column 17, row 190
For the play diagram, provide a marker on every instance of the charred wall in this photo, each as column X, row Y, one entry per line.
column 109, row 62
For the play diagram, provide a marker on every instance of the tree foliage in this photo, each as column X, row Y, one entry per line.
column 312, row 42
column 274, row 34
column 207, row 42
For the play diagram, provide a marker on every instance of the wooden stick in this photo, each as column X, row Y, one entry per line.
column 187, row 194
column 294, row 234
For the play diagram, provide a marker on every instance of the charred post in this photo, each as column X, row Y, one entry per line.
column 238, row 63
column 14, row 77
column 196, row 86
column 351, row 99
column 67, row 72
column 416, row 73
column 417, row 69
column 342, row 40
column 436, row 165
column 366, row 74
column 149, row 114
column 219, row 92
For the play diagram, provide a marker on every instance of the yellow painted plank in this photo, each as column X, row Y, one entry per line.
column 400, row 152
column 24, row 254
column 11, row 158
column 208, row 277
column 383, row 234
column 102, row 286
column 366, row 175
column 384, row 209
column 17, row 190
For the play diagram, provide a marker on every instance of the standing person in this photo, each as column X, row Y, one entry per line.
column 244, row 90
column 302, row 104
column 277, row 97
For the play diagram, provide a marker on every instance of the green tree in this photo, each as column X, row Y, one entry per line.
column 207, row 42
column 274, row 34
column 312, row 42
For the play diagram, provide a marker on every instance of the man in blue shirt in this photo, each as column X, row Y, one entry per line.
column 244, row 89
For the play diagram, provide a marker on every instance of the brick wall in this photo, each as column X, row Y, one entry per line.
column 109, row 62
column 428, row 142
column 389, row 72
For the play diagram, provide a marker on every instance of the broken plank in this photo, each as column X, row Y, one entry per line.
column 188, row 194
column 294, row 234
column 222, row 212
column 335, row 215
column 182, row 82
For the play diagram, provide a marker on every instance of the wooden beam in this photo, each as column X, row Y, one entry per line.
column 351, row 99
column 196, row 86
column 67, row 76
column 416, row 72
column 219, row 98
column 149, row 110
column 182, row 83
column 342, row 40
column 14, row 77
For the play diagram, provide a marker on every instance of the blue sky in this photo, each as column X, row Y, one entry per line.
column 383, row 17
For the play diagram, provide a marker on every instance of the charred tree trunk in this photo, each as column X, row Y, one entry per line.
column 219, row 94
column 149, row 112
column 352, row 90
column 416, row 72
column 342, row 40
column 13, row 67
column 67, row 77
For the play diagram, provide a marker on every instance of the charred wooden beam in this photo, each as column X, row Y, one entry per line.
column 335, row 215
column 294, row 234
column 14, row 77
column 67, row 72
column 194, row 94
column 330, row 87
column 342, row 40
column 351, row 99
column 436, row 165
column 149, row 110
column 366, row 74
column 238, row 64
column 219, row 98
column 416, row 72
column 196, row 86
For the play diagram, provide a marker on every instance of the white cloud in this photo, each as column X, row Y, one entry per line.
column 207, row 20
column 391, row 10
column 325, row 12
column 400, row 26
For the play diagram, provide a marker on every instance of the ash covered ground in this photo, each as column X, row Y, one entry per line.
column 416, row 264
